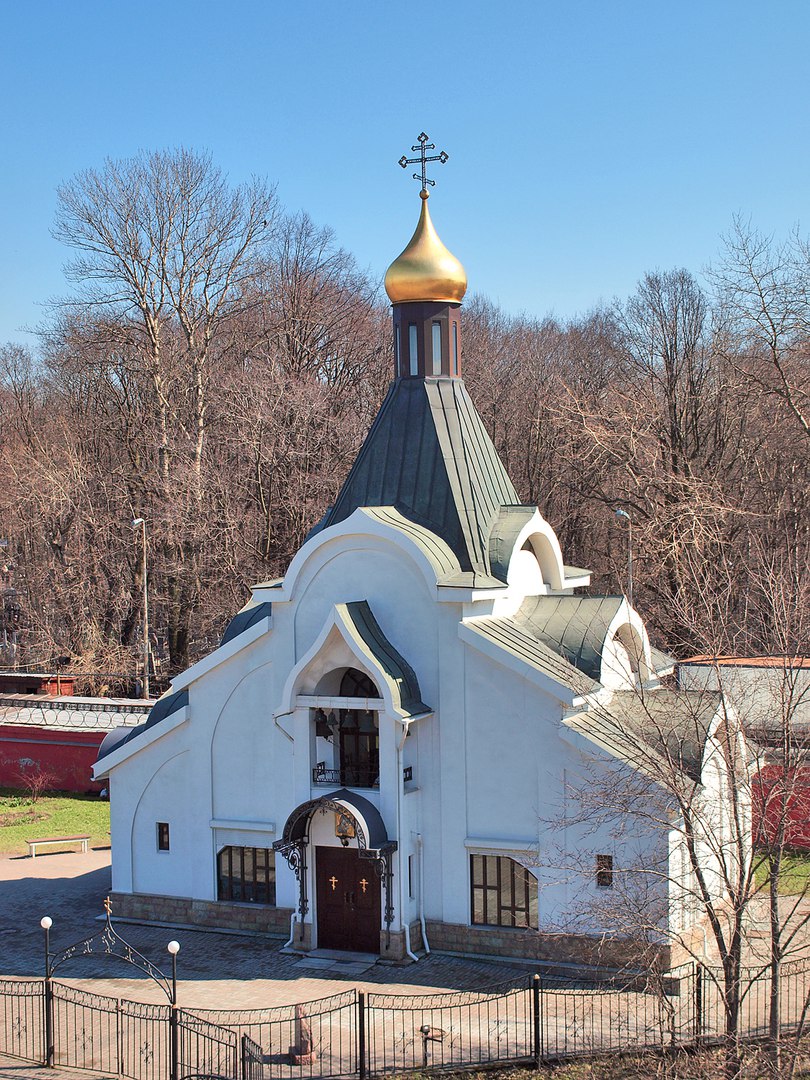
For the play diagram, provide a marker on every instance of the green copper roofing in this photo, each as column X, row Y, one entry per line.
column 428, row 455
column 515, row 639
column 510, row 520
column 673, row 724
column 573, row 626
column 373, row 642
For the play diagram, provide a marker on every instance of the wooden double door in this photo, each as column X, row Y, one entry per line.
column 348, row 896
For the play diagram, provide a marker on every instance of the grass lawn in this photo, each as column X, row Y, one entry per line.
column 794, row 875
column 53, row 814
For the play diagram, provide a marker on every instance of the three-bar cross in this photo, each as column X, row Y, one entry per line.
column 422, row 148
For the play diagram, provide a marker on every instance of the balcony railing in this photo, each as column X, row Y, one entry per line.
column 362, row 776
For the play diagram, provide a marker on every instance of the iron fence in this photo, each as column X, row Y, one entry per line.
column 312, row 1039
column 356, row 1034
column 419, row 1032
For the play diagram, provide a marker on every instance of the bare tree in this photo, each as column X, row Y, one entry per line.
column 764, row 288
column 167, row 254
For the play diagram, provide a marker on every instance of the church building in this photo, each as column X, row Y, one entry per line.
column 374, row 757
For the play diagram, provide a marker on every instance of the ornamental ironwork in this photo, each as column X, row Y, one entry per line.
column 107, row 942
column 421, row 148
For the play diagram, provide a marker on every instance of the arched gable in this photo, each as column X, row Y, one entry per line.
column 352, row 637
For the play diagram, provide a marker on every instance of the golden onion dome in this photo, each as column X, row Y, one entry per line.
column 425, row 270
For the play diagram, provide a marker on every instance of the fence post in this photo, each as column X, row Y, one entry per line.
column 48, row 1006
column 537, row 1022
column 173, row 1039
column 698, row 1003
column 361, row 1034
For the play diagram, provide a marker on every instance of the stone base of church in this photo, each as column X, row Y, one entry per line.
column 546, row 948
column 221, row 914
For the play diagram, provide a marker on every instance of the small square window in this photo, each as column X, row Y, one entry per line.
column 163, row 835
column 604, row 871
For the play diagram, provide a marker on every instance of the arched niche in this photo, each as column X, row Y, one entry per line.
column 536, row 564
column 346, row 681
column 626, row 657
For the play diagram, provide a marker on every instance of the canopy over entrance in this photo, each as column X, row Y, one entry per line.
column 370, row 836
column 369, row 827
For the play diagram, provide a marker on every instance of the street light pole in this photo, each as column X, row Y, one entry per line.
column 139, row 522
column 46, row 923
column 173, row 948
column 623, row 515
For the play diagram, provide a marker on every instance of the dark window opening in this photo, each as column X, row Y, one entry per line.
column 604, row 871
column 357, row 684
column 503, row 893
column 355, row 734
column 163, row 835
column 359, row 748
column 247, row 875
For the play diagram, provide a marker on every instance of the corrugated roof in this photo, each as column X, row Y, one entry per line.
column 573, row 626
column 672, row 723
column 517, row 639
column 377, row 645
column 788, row 662
column 428, row 455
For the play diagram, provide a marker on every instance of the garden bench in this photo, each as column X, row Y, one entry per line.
column 34, row 844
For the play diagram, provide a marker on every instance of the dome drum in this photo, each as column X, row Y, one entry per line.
column 427, row 340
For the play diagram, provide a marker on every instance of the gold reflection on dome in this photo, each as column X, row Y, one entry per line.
column 425, row 270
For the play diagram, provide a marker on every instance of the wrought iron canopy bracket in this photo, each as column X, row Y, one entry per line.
column 384, row 870
column 294, row 853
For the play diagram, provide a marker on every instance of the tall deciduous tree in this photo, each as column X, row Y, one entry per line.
column 167, row 254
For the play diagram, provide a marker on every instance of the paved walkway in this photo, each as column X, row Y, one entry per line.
column 12, row 1069
column 215, row 970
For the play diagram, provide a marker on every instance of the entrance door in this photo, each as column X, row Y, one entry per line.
column 348, row 894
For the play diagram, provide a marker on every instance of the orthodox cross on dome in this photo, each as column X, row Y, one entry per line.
column 421, row 148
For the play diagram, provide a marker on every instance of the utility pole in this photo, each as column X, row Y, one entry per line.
column 140, row 523
column 622, row 515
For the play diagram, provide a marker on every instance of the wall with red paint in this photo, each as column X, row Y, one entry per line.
column 67, row 755
column 771, row 795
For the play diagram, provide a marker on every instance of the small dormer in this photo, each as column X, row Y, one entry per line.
column 525, row 553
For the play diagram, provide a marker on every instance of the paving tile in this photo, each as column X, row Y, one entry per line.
column 215, row 970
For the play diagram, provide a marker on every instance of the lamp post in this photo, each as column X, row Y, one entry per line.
column 46, row 922
column 140, row 523
column 173, row 949
column 622, row 515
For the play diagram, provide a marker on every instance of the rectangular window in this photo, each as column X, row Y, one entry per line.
column 604, row 871
column 503, row 893
column 247, row 875
column 163, row 835
column 410, row 877
column 437, row 348
column 413, row 349
column 397, row 348
column 455, row 348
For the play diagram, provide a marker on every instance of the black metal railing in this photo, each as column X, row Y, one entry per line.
column 355, row 1034
column 362, row 776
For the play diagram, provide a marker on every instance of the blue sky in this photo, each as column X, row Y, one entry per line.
column 589, row 141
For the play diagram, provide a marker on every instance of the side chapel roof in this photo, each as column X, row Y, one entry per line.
column 673, row 724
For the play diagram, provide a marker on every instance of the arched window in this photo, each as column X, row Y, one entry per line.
column 355, row 734
column 357, row 684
